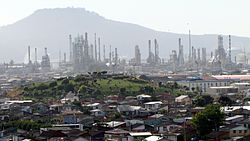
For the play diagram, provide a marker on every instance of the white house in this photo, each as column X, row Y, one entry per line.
column 143, row 97
column 154, row 105
column 183, row 99
column 94, row 106
column 71, row 97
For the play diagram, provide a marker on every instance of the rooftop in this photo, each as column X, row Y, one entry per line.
column 134, row 134
column 153, row 102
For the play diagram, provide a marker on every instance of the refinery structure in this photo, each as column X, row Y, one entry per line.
column 84, row 56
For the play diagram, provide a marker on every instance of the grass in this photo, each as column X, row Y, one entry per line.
column 107, row 85
column 97, row 88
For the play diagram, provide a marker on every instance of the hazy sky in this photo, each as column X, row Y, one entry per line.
column 201, row 16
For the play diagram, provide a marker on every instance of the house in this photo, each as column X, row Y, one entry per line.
column 234, row 119
column 94, row 106
column 5, row 106
column 183, row 100
column 159, row 117
column 4, row 117
column 204, row 83
column 230, row 109
column 80, row 139
column 71, row 117
column 167, row 98
column 237, row 128
column 154, row 105
column 215, row 91
column 39, row 108
column 97, row 113
column 95, row 135
column 87, row 121
column 240, row 130
column 154, row 125
column 57, row 108
column 115, row 124
column 241, row 86
column 71, row 97
column 138, row 135
column 129, row 111
column 153, row 138
column 116, row 134
column 143, row 97
column 173, row 136
column 52, row 134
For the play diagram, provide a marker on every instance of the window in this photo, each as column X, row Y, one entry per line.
column 245, row 131
column 234, row 131
column 239, row 131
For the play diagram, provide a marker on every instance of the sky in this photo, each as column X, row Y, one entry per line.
column 178, row 16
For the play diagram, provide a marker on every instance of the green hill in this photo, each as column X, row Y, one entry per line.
column 91, row 87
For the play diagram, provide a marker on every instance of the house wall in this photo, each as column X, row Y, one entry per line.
column 204, row 84
column 236, row 133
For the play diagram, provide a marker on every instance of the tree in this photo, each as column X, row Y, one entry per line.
column 69, row 87
column 148, row 89
column 82, row 89
column 65, row 81
column 202, row 100
column 211, row 118
column 52, row 84
column 225, row 101
column 42, row 86
column 122, row 90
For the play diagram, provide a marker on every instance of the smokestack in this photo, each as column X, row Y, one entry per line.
column 45, row 49
column 104, row 57
column 35, row 55
column 86, row 36
column 91, row 51
column 179, row 42
column 64, row 57
column 29, row 54
column 192, row 54
column 199, row 54
column 116, row 56
column 230, row 50
column 156, row 54
column 99, row 49
column 60, row 58
column 95, row 49
column 110, row 60
column 190, row 44
column 86, row 46
column 149, row 48
column 70, row 49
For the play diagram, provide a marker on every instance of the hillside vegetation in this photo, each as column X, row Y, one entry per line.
column 94, row 87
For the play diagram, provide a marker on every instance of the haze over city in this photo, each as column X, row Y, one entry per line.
column 124, row 70
column 203, row 17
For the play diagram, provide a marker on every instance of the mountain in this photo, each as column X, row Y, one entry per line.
column 51, row 28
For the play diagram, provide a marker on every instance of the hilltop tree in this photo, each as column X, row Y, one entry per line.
column 211, row 118
column 225, row 101
column 202, row 100
column 149, row 89
column 53, row 84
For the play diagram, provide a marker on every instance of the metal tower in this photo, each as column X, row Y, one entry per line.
column 230, row 50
